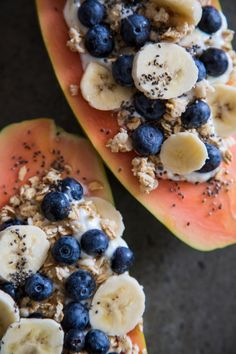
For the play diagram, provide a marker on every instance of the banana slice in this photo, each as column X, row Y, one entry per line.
column 108, row 212
column 34, row 335
column 118, row 305
column 101, row 91
column 9, row 312
column 183, row 11
column 164, row 70
column 183, row 153
column 223, row 106
column 23, row 250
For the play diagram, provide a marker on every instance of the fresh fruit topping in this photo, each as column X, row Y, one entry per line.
column 213, row 161
column 9, row 312
column 122, row 260
column 118, row 305
column 91, row 13
column 211, row 20
column 11, row 222
column 80, row 285
column 135, row 30
column 215, row 61
column 12, row 290
column 99, row 88
column 223, row 106
column 74, row 340
column 201, row 70
column 38, row 287
column 55, row 206
column 147, row 140
column 75, row 316
column 196, row 114
column 183, row 153
column 19, row 252
column 72, row 188
column 164, row 70
column 149, row 109
column 122, row 70
column 94, row 242
column 66, row 250
column 107, row 211
column 41, row 336
column 99, row 41
column 96, row 342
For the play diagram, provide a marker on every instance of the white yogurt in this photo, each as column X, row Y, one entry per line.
column 113, row 245
column 71, row 15
column 194, row 177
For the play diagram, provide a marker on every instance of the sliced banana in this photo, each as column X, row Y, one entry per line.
column 118, row 305
column 164, row 70
column 108, row 212
column 9, row 312
column 101, row 91
column 183, row 153
column 23, row 250
column 41, row 336
column 182, row 11
column 223, row 106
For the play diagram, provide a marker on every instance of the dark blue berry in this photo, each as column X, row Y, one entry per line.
column 75, row 316
column 135, row 30
column 74, row 340
column 91, row 13
column 72, row 188
column 122, row 260
column 94, row 242
column 122, row 70
column 147, row 140
column 201, row 70
column 66, row 250
column 196, row 115
column 96, row 342
column 38, row 287
column 11, row 290
column 12, row 222
column 99, row 41
column 215, row 61
column 80, row 285
column 36, row 315
column 55, row 206
column 211, row 20
column 149, row 109
column 214, row 159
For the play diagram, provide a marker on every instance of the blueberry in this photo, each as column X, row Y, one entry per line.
column 96, row 342
column 74, row 340
column 66, row 250
column 149, row 109
column 38, row 287
column 135, row 30
column 201, row 70
column 91, row 13
column 11, row 290
column 211, row 20
column 94, row 242
column 122, row 70
column 122, row 260
column 36, row 315
column 72, row 188
column 215, row 61
column 214, row 159
column 147, row 140
column 12, row 222
column 75, row 316
column 99, row 41
column 55, row 206
column 196, row 115
column 80, row 285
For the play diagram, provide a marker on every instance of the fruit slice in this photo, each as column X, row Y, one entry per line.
column 9, row 312
column 24, row 154
column 192, row 219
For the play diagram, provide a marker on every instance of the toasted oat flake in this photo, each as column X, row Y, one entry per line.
column 95, row 186
column 22, row 173
column 74, row 90
column 144, row 170
column 76, row 41
column 121, row 142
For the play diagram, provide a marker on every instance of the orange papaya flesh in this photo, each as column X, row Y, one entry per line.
column 199, row 219
column 36, row 145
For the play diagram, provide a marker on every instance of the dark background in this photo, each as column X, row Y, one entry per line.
column 191, row 296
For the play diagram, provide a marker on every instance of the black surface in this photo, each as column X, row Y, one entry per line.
column 191, row 296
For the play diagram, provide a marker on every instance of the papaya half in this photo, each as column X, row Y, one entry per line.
column 204, row 215
column 38, row 145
